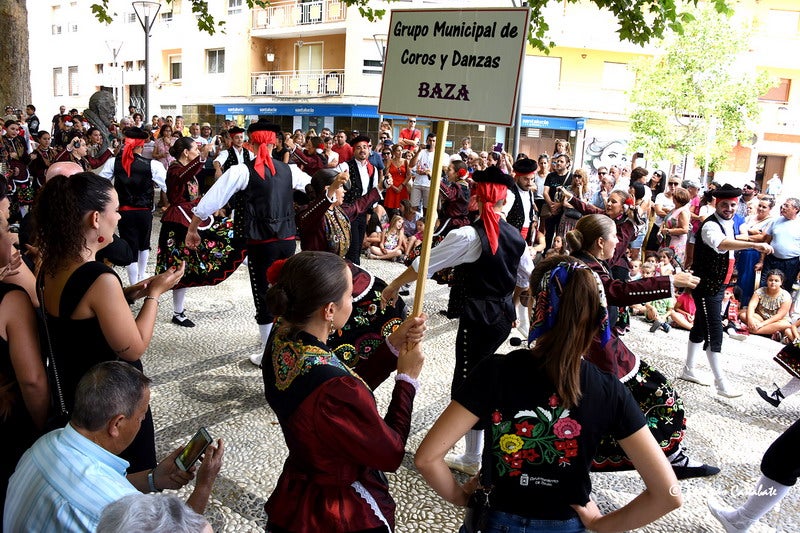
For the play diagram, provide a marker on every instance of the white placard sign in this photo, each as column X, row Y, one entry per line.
column 454, row 64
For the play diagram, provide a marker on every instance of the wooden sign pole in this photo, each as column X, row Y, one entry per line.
column 430, row 215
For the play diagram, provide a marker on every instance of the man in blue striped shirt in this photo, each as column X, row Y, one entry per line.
column 69, row 475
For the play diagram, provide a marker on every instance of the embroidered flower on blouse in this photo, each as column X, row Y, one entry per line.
column 497, row 417
column 567, row 428
column 553, row 401
column 511, row 443
column 524, row 429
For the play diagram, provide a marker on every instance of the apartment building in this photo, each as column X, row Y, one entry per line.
column 318, row 63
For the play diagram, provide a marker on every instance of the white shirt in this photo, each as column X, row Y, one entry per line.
column 223, row 156
column 463, row 245
column 156, row 169
column 233, row 180
column 713, row 235
column 424, row 163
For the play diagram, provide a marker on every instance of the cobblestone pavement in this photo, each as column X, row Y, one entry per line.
column 202, row 378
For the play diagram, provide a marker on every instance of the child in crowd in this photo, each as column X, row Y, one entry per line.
column 731, row 304
column 667, row 264
column 414, row 240
column 393, row 242
column 682, row 315
column 558, row 245
column 636, row 270
column 652, row 258
column 374, row 234
column 646, row 270
column 410, row 217
column 794, row 318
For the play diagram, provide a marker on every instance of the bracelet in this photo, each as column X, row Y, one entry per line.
column 151, row 298
column 151, row 479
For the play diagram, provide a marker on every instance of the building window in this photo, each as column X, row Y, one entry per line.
column 543, row 73
column 56, row 29
column 58, row 81
column 234, row 7
column 779, row 93
column 140, row 64
column 166, row 17
column 175, row 68
column 372, row 66
column 215, row 61
column 130, row 18
column 72, row 27
column 128, row 66
column 99, row 68
column 782, row 23
column 73, row 81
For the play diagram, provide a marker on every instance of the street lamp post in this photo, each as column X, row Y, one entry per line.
column 146, row 12
column 114, row 47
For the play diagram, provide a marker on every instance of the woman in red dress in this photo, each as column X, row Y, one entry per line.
column 400, row 172
column 339, row 446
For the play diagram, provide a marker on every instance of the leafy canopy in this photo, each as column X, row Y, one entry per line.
column 640, row 21
column 700, row 95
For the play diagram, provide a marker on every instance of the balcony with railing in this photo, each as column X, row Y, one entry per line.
column 306, row 83
column 576, row 99
column 288, row 15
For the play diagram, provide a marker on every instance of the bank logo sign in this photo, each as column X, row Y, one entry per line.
column 453, row 64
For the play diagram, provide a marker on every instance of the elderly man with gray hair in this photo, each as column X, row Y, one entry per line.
column 70, row 475
column 151, row 512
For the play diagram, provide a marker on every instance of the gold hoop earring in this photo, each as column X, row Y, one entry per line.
column 332, row 328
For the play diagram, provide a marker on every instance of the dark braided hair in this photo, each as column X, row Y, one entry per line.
column 58, row 216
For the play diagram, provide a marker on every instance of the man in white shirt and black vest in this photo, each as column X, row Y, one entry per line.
column 134, row 176
column 262, row 192
column 523, row 213
column 715, row 243
column 363, row 178
column 235, row 155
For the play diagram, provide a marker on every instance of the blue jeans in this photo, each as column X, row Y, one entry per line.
column 507, row 523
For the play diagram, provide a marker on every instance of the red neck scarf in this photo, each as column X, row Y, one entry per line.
column 489, row 194
column 127, row 153
column 264, row 156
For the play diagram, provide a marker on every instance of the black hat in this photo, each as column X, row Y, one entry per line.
column 360, row 139
column 727, row 191
column 525, row 166
column 263, row 124
column 236, row 129
column 135, row 133
column 492, row 175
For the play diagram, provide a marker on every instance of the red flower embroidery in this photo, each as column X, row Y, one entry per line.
column 554, row 401
column 497, row 417
column 530, row 455
column 566, row 428
column 524, row 429
column 514, row 473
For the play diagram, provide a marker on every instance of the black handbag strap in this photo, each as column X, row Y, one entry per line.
column 51, row 359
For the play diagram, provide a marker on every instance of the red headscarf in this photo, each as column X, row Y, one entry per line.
column 264, row 156
column 127, row 153
column 489, row 194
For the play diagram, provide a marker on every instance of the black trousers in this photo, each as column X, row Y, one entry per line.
column 781, row 461
column 259, row 258
column 358, row 229
column 707, row 326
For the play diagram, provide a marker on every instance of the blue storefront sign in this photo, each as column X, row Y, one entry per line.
column 308, row 110
column 553, row 123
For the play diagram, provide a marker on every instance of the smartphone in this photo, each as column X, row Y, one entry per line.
column 193, row 450
column 498, row 148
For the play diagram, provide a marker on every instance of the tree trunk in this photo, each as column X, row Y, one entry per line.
column 16, row 87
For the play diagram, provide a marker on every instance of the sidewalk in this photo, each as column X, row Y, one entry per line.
column 202, row 378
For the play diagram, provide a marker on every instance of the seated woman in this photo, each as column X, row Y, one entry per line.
column 393, row 242
column 86, row 311
column 543, row 411
column 767, row 312
column 339, row 446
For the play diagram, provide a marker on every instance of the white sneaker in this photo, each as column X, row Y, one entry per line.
column 688, row 374
column 723, row 514
column 256, row 358
column 462, row 463
column 725, row 389
column 733, row 334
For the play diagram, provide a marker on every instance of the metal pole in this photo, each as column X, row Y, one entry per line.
column 518, row 112
column 146, row 67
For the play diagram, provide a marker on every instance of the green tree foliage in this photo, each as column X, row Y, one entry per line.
column 640, row 21
column 698, row 97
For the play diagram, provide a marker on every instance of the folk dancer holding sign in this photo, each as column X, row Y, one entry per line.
column 489, row 244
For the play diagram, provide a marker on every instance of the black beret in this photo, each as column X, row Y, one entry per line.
column 236, row 129
column 263, row 124
column 492, row 175
column 525, row 166
column 727, row 191
column 360, row 139
column 135, row 133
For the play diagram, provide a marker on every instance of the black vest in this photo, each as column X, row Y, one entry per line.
column 135, row 190
column 356, row 191
column 233, row 159
column 708, row 264
column 516, row 215
column 489, row 282
column 264, row 210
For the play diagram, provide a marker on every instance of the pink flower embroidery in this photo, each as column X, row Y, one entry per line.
column 566, row 428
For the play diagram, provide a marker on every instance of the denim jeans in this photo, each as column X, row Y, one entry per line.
column 510, row 523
